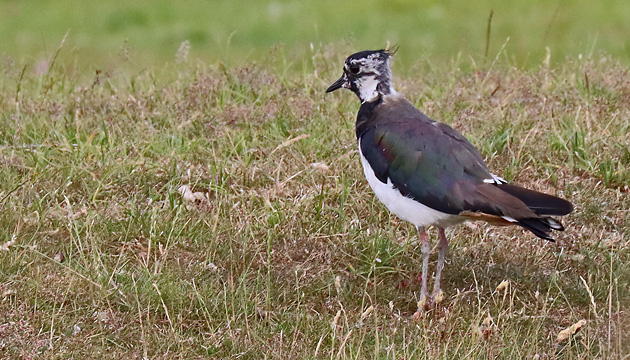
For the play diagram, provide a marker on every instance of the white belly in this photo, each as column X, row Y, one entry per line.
column 404, row 207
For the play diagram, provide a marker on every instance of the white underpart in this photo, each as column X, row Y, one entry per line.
column 404, row 207
column 367, row 88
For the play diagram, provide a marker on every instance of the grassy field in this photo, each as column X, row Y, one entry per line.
column 284, row 252
column 149, row 32
column 174, row 183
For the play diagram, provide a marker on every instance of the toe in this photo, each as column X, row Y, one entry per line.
column 438, row 297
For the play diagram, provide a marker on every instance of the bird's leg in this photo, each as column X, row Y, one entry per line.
column 426, row 251
column 438, row 295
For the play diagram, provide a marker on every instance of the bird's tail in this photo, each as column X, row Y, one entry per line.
column 543, row 205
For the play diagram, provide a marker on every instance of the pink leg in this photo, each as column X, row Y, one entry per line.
column 426, row 251
column 442, row 248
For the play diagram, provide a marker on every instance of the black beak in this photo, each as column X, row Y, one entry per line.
column 337, row 84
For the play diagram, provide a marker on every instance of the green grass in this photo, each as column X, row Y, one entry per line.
column 147, row 33
column 290, row 255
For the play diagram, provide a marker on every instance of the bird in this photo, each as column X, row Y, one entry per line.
column 427, row 173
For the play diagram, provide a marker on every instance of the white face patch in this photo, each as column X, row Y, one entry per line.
column 369, row 65
column 367, row 88
column 368, row 75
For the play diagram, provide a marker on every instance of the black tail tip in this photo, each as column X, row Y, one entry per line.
column 542, row 227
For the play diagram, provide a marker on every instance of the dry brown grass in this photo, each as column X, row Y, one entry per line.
column 290, row 255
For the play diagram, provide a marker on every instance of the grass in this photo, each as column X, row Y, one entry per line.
column 287, row 253
column 149, row 32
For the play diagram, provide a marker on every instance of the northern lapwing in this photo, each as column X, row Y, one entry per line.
column 427, row 173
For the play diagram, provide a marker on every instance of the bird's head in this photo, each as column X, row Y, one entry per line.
column 367, row 74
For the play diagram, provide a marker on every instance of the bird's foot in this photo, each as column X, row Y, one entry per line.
column 438, row 297
column 423, row 306
column 426, row 303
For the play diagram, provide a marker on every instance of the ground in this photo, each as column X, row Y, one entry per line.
column 284, row 252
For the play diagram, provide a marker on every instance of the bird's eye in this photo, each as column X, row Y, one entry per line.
column 354, row 68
